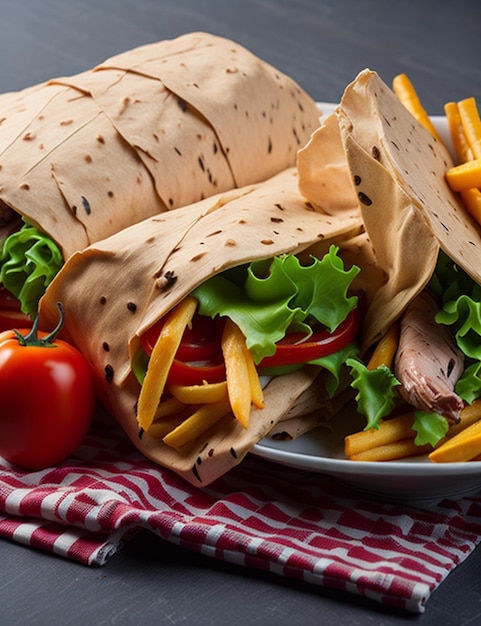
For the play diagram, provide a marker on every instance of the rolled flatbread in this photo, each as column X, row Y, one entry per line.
column 149, row 130
column 118, row 288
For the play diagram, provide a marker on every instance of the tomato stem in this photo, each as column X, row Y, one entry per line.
column 32, row 338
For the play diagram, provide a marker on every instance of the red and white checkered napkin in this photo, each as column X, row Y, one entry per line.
column 284, row 521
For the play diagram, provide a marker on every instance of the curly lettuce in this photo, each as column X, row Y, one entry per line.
column 29, row 261
column 460, row 296
column 376, row 395
column 267, row 299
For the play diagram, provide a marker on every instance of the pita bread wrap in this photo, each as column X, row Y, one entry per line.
column 397, row 176
column 116, row 289
column 149, row 130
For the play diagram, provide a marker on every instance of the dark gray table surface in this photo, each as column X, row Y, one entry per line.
column 323, row 44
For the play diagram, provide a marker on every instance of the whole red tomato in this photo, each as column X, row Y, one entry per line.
column 46, row 398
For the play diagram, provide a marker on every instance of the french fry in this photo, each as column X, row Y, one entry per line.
column 257, row 395
column 161, row 360
column 469, row 114
column 207, row 393
column 168, row 408
column 407, row 95
column 160, row 428
column 237, row 372
column 385, row 349
column 392, row 451
column 471, row 197
column 389, row 432
column 464, row 446
column 465, row 176
column 456, row 131
column 196, row 424
column 469, row 415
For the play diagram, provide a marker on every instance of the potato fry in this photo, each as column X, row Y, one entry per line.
column 257, row 395
column 161, row 360
column 201, row 420
column 407, row 95
column 168, row 408
column 160, row 428
column 469, row 415
column 456, row 131
column 386, row 349
column 392, row 451
column 464, row 446
column 471, row 197
column 469, row 114
column 389, row 432
column 237, row 372
column 200, row 394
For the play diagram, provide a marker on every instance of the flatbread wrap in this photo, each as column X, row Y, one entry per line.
column 424, row 241
column 146, row 131
column 116, row 291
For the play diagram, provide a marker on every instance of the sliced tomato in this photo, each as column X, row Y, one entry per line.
column 199, row 357
column 291, row 350
column 199, row 342
column 196, row 372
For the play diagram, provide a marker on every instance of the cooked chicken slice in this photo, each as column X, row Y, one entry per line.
column 428, row 362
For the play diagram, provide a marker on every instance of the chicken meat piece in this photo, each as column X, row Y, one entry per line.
column 428, row 363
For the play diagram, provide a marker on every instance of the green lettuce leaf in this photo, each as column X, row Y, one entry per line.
column 464, row 315
column 29, row 261
column 272, row 298
column 430, row 428
column 468, row 386
column 334, row 363
column 376, row 395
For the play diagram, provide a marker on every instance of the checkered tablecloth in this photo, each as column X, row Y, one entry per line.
column 289, row 522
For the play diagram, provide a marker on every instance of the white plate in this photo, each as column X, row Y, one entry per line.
column 414, row 481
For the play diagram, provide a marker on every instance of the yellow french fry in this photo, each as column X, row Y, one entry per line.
column 257, row 395
column 237, row 372
column 469, row 415
column 404, row 90
column 168, row 408
column 465, row 176
column 161, row 360
column 207, row 393
column 469, row 114
column 389, row 431
column 392, row 451
column 385, row 349
column 198, row 423
column 462, row 447
column 456, row 131
column 160, row 428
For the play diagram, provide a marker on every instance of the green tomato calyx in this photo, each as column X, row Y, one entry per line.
column 32, row 338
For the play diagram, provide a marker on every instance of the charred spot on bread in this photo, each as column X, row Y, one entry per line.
column 86, row 205
column 109, row 373
column 365, row 199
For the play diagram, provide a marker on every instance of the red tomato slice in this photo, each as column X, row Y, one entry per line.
column 196, row 372
column 199, row 342
column 291, row 350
